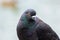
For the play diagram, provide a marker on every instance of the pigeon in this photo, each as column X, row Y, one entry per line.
column 31, row 27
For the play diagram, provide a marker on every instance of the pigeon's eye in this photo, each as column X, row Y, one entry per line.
column 26, row 12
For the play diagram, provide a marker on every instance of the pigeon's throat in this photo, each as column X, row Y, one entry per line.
column 24, row 20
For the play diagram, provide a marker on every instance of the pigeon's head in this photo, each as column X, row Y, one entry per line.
column 28, row 15
column 30, row 12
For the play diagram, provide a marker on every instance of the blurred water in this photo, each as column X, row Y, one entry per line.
column 47, row 10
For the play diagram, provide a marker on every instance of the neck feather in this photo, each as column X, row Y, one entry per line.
column 24, row 20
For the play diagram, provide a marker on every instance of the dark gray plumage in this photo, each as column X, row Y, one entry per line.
column 32, row 28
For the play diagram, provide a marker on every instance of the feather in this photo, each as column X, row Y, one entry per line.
column 33, row 28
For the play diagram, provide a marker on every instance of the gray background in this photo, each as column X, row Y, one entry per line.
column 47, row 10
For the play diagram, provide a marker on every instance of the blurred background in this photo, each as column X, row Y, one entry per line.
column 11, row 10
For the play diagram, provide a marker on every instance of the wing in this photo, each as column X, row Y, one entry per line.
column 45, row 32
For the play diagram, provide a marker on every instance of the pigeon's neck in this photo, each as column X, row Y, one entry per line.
column 24, row 20
column 26, row 23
